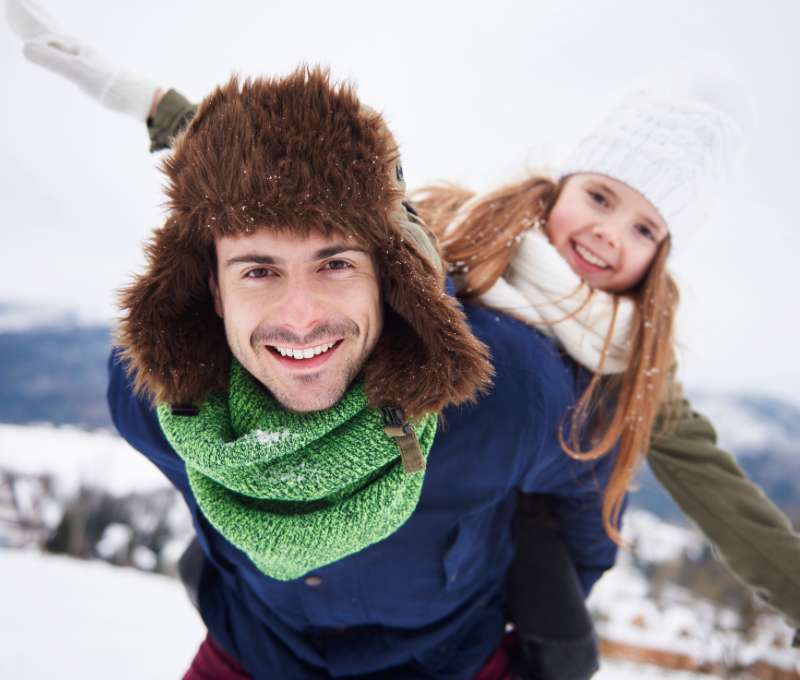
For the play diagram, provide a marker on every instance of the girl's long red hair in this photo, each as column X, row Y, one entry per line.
column 480, row 248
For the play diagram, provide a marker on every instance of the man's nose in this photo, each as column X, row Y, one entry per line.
column 300, row 308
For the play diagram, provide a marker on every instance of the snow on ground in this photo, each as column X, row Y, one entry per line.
column 88, row 615
column 654, row 540
column 621, row 670
column 134, row 625
column 75, row 457
column 630, row 617
column 67, row 618
column 682, row 624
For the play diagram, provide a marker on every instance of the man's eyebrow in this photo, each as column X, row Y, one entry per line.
column 337, row 250
column 251, row 258
column 321, row 254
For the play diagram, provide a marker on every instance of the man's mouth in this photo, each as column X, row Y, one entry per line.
column 304, row 357
column 588, row 258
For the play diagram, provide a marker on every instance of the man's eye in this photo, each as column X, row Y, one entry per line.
column 336, row 265
column 258, row 273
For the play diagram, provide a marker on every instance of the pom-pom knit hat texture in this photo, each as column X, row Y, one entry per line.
column 674, row 143
column 300, row 154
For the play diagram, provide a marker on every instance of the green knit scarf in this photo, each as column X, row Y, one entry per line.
column 295, row 491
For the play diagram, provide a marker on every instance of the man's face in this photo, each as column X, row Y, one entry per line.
column 301, row 314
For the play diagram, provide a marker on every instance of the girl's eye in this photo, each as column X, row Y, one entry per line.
column 597, row 197
column 337, row 265
column 646, row 231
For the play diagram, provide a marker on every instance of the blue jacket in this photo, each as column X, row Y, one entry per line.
column 428, row 600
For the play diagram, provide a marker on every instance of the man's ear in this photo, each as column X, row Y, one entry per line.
column 214, row 288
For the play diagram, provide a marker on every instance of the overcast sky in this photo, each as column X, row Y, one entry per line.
column 473, row 92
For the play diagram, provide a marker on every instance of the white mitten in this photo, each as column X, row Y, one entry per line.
column 28, row 20
column 115, row 88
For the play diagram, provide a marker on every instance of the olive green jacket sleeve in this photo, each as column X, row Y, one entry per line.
column 750, row 534
column 172, row 114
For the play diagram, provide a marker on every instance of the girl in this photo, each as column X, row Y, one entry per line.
column 583, row 258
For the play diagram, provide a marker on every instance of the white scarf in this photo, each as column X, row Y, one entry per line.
column 540, row 289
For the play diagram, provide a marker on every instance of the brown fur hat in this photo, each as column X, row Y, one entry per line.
column 303, row 154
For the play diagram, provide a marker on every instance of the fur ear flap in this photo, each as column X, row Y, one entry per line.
column 171, row 337
column 427, row 358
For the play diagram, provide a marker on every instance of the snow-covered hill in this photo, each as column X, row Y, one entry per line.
column 76, row 458
column 673, row 626
column 90, row 494
column 139, row 521
column 21, row 318
column 54, row 478
column 53, row 369
column 753, row 425
column 764, row 435
column 70, row 618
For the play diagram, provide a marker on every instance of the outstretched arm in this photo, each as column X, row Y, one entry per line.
column 751, row 535
column 45, row 44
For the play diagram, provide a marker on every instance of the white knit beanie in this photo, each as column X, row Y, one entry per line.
column 675, row 144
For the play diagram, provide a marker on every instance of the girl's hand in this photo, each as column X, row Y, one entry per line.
column 115, row 88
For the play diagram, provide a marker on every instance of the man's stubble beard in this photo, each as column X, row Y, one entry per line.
column 339, row 386
column 320, row 402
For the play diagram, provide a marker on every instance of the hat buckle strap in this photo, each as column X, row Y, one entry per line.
column 397, row 427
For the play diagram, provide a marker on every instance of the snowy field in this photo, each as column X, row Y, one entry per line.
column 75, row 458
column 70, row 618
column 135, row 625
column 619, row 670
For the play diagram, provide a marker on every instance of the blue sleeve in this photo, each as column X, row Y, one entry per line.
column 136, row 421
column 575, row 488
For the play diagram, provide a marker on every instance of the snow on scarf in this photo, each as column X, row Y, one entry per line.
column 295, row 491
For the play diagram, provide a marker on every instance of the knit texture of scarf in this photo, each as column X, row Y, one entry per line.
column 540, row 289
column 295, row 491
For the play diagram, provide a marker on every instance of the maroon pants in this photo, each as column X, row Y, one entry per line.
column 212, row 663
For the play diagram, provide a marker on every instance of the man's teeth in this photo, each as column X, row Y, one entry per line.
column 306, row 353
column 590, row 257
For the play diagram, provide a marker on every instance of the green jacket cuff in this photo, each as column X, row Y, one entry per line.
column 172, row 115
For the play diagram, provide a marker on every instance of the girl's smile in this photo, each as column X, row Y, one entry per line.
column 585, row 259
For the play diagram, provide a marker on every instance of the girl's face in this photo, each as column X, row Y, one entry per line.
column 608, row 233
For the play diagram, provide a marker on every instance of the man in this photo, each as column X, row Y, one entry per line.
column 123, row 91
column 292, row 363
